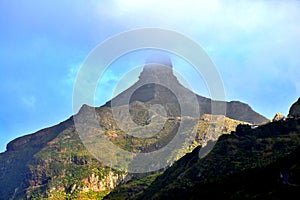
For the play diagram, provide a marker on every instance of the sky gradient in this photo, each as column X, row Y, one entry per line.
column 254, row 44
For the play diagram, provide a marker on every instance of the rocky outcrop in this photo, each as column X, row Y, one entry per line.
column 99, row 184
column 278, row 117
column 295, row 109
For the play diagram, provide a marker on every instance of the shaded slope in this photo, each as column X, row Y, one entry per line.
column 279, row 180
column 231, row 159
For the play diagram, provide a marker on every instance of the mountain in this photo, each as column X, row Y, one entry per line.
column 250, row 163
column 54, row 163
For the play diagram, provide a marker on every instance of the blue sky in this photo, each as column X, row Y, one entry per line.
column 254, row 44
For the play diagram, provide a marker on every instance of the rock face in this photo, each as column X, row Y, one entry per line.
column 99, row 184
column 295, row 109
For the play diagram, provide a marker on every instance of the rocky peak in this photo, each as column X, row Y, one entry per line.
column 295, row 109
column 158, row 68
column 157, row 84
column 160, row 58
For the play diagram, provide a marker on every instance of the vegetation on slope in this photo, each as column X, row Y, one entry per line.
column 233, row 155
column 209, row 129
column 54, row 163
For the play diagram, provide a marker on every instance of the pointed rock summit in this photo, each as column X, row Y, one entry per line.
column 158, row 85
column 158, row 67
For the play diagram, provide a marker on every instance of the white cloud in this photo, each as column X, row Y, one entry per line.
column 256, row 30
column 246, row 15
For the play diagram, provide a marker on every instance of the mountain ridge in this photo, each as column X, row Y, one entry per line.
column 152, row 87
